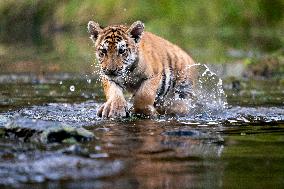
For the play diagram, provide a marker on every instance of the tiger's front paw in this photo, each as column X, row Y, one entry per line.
column 113, row 109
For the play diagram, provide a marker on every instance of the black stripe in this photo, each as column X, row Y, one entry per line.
column 184, row 90
column 119, row 38
column 173, row 84
column 170, row 61
column 107, row 37
column 118, row 31
column 118, row 84
column 162, row 88
column 171, row 74
column 131, row 67
column 170, row 82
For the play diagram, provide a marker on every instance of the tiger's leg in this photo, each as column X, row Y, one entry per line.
column 182, row 101
column 144, row 98
column 116, row 105
column 177, row 107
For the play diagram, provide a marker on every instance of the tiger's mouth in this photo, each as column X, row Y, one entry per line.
column 113, row 73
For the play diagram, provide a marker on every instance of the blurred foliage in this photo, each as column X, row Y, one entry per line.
column 212, row 31
column 168, row 18
column 272, row 65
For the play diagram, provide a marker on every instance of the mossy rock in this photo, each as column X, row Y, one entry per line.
column 271, row 65
column 46, row 131
column 66, row 134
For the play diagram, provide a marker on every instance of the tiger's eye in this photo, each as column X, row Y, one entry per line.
column 102, row 52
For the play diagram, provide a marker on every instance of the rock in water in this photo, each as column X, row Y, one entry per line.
column 45, row 131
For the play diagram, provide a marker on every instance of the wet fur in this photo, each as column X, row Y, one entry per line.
column 155, row 71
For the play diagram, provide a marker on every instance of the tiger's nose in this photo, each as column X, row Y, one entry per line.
column 110, row 72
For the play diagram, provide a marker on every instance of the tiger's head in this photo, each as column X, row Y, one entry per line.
column 116, row 46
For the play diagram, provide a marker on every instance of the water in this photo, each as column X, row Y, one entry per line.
column 242, row 142
column 226, row 142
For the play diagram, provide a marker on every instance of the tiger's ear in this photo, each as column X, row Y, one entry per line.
column 136, row 31
column 94, row 29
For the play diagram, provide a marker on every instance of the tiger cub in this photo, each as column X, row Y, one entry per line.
column 157, row 72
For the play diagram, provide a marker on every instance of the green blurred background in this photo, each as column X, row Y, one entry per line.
column 51, row 34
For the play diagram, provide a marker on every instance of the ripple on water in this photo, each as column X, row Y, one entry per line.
column 77, row 114
column 84, row 114
column 56, row 167
column 192, row 141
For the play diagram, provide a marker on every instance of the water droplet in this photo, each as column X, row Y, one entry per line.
column 98, row 148
column 100, row 155
column 203, row 125
column 212, row 123
column 72, row 88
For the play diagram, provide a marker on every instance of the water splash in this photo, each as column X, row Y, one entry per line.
column 77, row 114
column 209, row 96
column 72, row 88
column 84, row 114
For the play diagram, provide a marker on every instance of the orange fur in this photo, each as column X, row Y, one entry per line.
column 154, row 70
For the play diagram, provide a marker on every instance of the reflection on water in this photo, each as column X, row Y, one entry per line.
column 150, row 154
column 55, row 166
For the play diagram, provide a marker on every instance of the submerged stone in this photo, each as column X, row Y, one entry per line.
column 46, row 131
